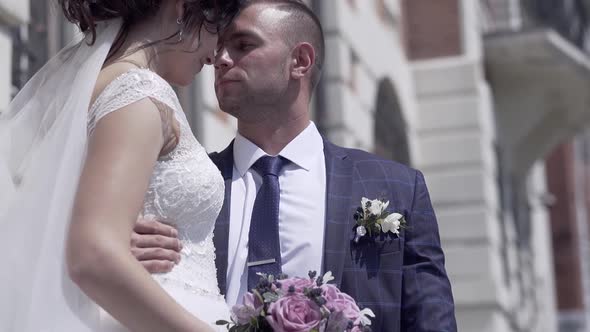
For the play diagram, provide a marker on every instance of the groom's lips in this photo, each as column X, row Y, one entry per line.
column 224, row 82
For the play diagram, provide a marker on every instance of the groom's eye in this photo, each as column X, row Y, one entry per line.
column 244, row 45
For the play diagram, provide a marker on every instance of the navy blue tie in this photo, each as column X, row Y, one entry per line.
column 264, row 248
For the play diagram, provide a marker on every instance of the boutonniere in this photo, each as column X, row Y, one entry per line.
column 372, row 218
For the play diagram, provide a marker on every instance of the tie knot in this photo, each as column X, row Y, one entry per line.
column 268, row 165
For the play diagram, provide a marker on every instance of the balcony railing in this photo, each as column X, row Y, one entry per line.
column 570, row 18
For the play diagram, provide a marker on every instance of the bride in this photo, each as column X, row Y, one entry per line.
column 96, row 138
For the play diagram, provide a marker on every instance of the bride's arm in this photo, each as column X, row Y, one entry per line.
column 121, row 155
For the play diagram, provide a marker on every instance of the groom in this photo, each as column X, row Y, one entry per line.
column 267, row 66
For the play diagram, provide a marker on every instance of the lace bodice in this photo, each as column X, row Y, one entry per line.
column 186, row 189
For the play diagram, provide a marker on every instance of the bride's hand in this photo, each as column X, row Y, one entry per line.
column 155, row 245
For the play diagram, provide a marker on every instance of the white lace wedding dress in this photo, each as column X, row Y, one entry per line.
column 186, row 189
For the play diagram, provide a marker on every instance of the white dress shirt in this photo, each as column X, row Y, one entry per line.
column 301, row 208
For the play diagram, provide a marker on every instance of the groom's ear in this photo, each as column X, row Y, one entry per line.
column 302, row 60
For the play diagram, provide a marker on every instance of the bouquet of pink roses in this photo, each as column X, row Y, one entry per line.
column 298, row 305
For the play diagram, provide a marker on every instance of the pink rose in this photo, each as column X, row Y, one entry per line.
column 293, row 313
column 348, row 308
column 340, row 302
column 242, row 314
column 330, row 292
column 251, row 307
column 298, row 283
column 252, row 300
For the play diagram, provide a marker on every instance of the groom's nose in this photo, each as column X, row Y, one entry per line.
column 222, row 59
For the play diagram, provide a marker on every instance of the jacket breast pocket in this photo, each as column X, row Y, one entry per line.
column 388, row 246
column 390, row 255
column 377, row 253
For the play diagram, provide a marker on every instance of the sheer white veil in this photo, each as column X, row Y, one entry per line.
column 42, row 148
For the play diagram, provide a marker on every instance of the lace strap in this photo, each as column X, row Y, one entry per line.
column 132, row 86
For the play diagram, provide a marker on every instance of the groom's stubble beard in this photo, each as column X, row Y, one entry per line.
column 251, row 111
column 254, row 106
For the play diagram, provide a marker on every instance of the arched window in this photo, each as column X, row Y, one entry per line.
column 391, row 140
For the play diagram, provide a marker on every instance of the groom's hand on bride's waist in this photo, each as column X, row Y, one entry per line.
column 155, row 245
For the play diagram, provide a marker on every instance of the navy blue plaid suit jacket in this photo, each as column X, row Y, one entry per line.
column 402, row 279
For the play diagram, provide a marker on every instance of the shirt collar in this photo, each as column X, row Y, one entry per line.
column 301, row 150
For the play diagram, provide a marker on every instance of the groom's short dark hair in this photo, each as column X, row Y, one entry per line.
column 302, row 25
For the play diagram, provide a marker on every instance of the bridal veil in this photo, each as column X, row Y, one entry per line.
column 43, row 142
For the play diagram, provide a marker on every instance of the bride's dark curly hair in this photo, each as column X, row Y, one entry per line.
column 213, row 15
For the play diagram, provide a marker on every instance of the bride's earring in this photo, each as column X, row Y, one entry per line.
column 179, row 22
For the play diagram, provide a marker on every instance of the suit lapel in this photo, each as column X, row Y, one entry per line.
column 338, row 209
column 225, row 162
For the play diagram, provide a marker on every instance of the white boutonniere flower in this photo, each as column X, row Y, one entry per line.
column 374, row 207
column 327, row 277
column 364, row 316
column 392, row 223
column 372, row 217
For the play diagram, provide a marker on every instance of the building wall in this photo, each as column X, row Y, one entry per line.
column 437, row 37
column 5, row 68
column 502, row 287
column 560, row 168
column 355, row 67
column 13, row 14
column 542, row 285
column 567, row 171
column 456, row 139
column 581, row 145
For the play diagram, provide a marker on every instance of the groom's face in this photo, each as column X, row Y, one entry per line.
column 252, row 63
